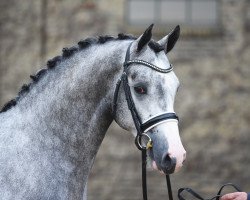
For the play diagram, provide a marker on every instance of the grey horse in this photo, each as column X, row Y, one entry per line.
column 51, row 132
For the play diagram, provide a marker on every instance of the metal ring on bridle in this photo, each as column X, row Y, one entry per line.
column 138, row 141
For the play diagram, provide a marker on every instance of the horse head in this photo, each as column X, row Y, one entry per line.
column 52, row 131
column 145, row 106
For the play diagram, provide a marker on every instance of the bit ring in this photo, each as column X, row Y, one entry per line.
column 138, row 142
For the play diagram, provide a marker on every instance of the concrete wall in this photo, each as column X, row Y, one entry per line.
column 24, row 50
column 234, row 21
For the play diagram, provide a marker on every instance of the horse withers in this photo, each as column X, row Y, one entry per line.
column 50, row 133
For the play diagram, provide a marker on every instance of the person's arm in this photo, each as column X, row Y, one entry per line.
column 236, row 196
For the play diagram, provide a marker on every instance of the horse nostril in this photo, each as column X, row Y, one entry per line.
column 166, row 159
column 168, row 163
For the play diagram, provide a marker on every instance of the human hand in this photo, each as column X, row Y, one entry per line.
column 235, row 196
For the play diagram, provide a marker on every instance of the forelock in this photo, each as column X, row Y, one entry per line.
column 156, row 47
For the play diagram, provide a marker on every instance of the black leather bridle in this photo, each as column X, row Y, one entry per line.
column 142, row 128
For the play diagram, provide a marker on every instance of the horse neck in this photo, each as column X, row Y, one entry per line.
column 72, row 103
column 80, row 99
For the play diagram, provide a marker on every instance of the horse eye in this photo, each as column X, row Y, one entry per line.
column 140, row 90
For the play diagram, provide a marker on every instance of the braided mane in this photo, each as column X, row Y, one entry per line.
column 68, row 52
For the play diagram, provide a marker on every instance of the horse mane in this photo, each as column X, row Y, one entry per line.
column 68, row 52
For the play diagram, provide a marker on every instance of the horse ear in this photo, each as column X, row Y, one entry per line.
column 144, row 38
column 169, row 40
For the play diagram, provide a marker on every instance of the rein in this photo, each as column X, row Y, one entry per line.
column 142, row 128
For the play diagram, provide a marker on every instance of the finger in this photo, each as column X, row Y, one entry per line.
column 241, row 196
column 229, row 196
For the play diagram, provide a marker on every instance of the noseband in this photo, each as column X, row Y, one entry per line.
column 142, row 128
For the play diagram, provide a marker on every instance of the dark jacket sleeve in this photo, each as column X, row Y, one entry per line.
column 248, row 196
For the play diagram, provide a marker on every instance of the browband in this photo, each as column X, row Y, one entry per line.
column 142, row 62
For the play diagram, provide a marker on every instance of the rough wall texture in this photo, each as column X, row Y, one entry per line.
column 234, row 22
column 21, row 37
